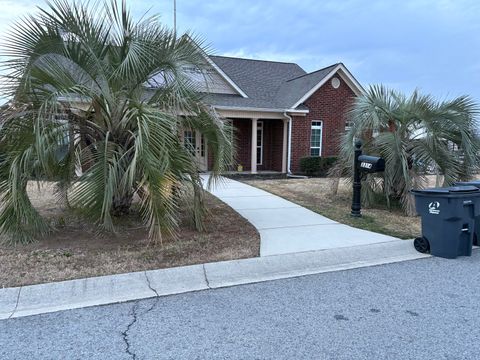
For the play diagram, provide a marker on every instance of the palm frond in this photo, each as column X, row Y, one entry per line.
column 94, row 64
column 414, row 134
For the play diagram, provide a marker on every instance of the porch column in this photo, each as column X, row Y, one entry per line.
column 253, row 165
column 284, row 146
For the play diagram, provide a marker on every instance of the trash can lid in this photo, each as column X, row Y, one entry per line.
column 472, row 183
column 447, row 190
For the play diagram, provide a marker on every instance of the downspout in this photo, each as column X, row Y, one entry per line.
column 289, row 145
column 289, row 148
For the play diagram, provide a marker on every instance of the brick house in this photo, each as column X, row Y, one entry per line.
column 279, row 112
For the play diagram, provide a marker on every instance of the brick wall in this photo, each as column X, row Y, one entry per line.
column 243, row 140
column 300, row 141
column 276, row 145
column 272, row 145
column 330, row 106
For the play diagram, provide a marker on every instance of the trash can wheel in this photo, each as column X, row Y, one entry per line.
column 421, row 244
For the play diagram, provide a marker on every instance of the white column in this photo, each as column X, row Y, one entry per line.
column 284, row 146
column 254, row 147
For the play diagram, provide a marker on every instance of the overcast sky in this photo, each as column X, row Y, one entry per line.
column 430, row 44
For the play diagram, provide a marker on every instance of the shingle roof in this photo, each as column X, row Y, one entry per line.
column 268, row 84
column 294, row 89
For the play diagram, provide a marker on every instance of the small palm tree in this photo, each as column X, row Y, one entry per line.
column 416, row 136
column 94, row 92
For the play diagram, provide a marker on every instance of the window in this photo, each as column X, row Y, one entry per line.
column 62, row 134
column 259, row 142
column 202, row 145
column 348, row 125
column 189, row 141
column 63, row 120
column 316, row 138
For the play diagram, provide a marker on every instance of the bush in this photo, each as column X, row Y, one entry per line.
column 316, row 165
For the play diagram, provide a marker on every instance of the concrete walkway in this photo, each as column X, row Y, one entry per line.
column 286, row 227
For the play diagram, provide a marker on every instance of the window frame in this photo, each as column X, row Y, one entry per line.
column 190, row 144
column 314, row 126
column 348, row 125
column 260, row 126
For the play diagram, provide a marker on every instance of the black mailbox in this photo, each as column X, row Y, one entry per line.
column 371, row 164
column 365, row 164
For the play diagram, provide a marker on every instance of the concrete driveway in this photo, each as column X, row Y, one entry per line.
column 286, row 227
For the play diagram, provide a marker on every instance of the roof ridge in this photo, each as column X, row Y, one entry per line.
column 313, row 72
column 261, row 60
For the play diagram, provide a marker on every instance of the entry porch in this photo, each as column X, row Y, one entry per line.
column 261, row 145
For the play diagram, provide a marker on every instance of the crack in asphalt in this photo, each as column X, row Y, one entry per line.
column 136, row 317
column 16, row 304
column 125, row 333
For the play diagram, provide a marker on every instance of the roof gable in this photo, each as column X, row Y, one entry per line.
column 204, row 78
column 337, row 69
column 273, row 85
column 215, row 77
column 227, row 78
column 208, row 80
column 295, row 88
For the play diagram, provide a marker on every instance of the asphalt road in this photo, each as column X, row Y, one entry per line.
column 423, row 309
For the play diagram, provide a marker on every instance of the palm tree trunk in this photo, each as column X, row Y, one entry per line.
column 121, row 204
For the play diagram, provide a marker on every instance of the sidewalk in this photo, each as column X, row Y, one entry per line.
column 286, row 227
column 294, row 242
column 65, row 295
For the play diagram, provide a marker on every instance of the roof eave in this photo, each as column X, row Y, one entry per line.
column 250, row 108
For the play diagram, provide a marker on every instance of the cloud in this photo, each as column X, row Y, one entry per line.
column 309, row 61
column 13, row 10
column 430, row 44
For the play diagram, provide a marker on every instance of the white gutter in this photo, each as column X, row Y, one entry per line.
column 245, row 108
column 289, row 148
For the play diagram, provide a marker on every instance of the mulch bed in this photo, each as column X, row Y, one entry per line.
column 77, row 250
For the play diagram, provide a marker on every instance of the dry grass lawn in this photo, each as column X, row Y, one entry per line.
column 76, row 249
column 316, row 195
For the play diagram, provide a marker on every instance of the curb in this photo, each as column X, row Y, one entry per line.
column 103, row 290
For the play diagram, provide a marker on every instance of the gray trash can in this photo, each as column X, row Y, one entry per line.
column 476, row 232
column 448, row 219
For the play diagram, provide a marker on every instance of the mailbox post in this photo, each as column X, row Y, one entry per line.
column 362, row 164
column 357, row 181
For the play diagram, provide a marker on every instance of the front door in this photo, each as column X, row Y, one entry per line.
column 195, row 142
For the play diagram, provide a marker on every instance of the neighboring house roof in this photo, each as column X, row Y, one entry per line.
column 271, row 84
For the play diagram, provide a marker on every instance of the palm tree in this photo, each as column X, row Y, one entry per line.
column 93, row 90
column 416, row 135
